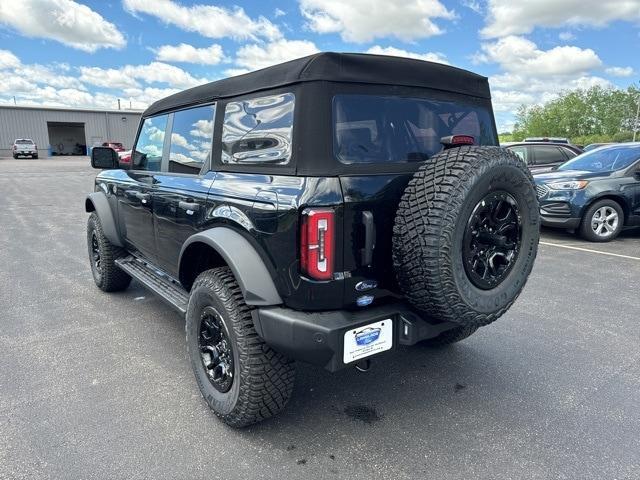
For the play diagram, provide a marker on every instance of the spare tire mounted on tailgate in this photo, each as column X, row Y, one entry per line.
column 466, row 234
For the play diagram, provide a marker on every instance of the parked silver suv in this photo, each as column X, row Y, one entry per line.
column 25, row 147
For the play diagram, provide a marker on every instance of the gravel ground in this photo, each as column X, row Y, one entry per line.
column 98, row 385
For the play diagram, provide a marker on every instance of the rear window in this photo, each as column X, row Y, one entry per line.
column 390, row 129
column 24, row 142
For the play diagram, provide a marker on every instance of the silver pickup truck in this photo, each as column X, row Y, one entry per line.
column 25, row 147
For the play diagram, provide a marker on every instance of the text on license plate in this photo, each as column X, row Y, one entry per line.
column 368, row 340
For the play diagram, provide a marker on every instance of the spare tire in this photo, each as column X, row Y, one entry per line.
column 466, row 234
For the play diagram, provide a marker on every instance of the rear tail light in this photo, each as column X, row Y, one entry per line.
column 317, row 243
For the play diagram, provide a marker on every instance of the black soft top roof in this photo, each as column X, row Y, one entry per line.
column 337, row 67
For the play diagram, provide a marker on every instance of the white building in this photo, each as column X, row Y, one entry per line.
column 66, row 131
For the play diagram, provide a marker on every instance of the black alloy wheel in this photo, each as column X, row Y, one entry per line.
column 215, row 350
column 492, row 240
column 95, row 254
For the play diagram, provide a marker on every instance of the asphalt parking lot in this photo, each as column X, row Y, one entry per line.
column 97, row 385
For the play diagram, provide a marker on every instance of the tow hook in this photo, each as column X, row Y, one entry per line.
column 363, row 365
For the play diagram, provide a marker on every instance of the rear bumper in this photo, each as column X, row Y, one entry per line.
column 318, row 337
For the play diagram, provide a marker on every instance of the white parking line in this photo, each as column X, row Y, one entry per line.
column 588, row 250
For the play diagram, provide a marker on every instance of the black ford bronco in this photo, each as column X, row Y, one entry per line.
column 326, row 210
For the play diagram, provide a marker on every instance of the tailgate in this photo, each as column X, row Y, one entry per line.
column 371, row 202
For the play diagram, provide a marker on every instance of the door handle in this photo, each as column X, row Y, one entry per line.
column 143, row 197
column 189, row 206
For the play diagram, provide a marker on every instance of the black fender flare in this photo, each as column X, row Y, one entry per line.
column 245, row 262
column 99, row 203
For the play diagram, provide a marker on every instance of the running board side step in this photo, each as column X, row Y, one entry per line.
column 156, row 281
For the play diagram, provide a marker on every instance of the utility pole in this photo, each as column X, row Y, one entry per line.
column 118, row 104
column 635, row 125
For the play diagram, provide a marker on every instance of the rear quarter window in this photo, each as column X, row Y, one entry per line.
column 258, row 131
column 373, row 129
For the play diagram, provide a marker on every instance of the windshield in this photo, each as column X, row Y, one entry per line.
column 605, row 159
column 391, row 129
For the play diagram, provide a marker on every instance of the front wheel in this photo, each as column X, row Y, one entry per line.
column 102, row 255
column 242, row 379
column 602, row 222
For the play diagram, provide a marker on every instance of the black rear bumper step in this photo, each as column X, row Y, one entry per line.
column 318, row 337
column 156, row 281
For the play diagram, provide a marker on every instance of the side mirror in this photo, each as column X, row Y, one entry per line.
column 104, row 158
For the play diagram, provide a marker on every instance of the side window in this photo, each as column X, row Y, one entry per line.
column 548, row 154
column 521, row 151
column 147, row 154
column 569, row 153
column 258, row 130
column 191, row 139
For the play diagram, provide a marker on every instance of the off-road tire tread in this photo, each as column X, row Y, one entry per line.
column 424, row 229
column 266, row 376
column 113, row 279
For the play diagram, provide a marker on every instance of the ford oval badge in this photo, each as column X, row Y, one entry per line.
column 367, row 336
column 365, row 285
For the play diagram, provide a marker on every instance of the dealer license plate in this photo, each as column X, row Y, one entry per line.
column 368, row 340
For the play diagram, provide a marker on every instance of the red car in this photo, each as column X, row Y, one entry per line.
column 124, row 157
column 117, row 146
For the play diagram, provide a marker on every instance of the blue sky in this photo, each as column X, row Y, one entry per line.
column 66, row 52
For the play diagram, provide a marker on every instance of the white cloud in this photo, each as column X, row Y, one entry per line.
column 8, row 60
column 207, row 20
column 52, row 76
column 397, row 52
column 202, row 129
column 65, row 21
column 509, row 101
column 107, row 77
column 566, row 36
column 509, row 17
column 143, row 97
column 129, row 75
column 531, row 75
column 186, row 53
column 278, row 12
column 473, row 5
column 620, row 71
column 254, row 57
column 517, row 54
column 363, row 20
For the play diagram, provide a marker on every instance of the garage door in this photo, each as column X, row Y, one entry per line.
column 67, row 138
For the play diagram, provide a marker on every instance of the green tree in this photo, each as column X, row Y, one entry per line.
column 584, row 115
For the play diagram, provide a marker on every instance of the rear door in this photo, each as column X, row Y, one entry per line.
column 180, row 189
column 134, row 190
column 374, row 133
